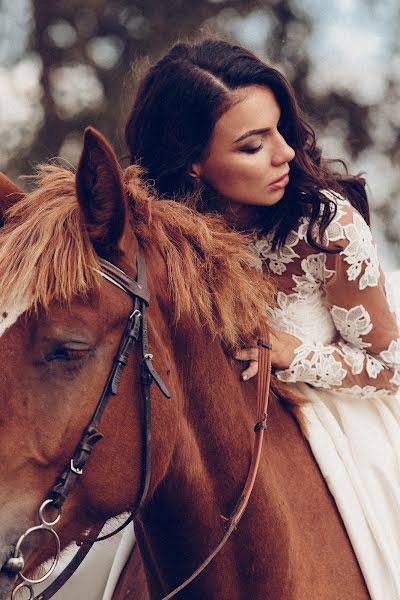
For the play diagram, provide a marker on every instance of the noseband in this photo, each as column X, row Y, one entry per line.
column 136, row 330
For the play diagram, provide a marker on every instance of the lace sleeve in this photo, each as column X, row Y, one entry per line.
column 365, row 354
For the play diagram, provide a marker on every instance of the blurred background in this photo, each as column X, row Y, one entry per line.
column 65, row 64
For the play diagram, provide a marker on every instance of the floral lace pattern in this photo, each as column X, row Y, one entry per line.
column 315, row 273
column 353, row 357
column 391, row 357
column 281, row 256
column 331, row 310
column 314, row 364
column 361, row 249
column 367, row 392
column 352, row 324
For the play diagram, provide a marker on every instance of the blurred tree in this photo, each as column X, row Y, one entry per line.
column 89, row 54
column 83, row 59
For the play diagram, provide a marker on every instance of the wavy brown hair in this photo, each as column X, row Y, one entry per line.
column 177, row 105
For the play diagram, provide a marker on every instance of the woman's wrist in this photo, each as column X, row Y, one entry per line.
column 283, row 350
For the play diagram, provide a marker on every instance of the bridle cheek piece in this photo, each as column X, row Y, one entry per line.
column 136, row 329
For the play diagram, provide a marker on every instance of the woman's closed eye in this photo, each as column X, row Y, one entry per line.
column 251, row 149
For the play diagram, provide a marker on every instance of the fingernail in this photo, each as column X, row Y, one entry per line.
column 244, row 377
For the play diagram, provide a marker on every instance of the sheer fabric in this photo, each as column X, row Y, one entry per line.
column 336, row 305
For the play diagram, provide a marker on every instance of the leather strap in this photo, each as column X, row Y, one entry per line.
column 263, row 385
column 134, row 288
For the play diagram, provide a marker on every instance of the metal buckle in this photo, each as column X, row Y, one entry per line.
column 75, row 469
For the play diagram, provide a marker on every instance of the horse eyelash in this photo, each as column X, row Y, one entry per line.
column 63, row 354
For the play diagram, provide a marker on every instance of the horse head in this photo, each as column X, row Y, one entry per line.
column 59, row 334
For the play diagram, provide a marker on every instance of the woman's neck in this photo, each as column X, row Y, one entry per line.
column 240, row 217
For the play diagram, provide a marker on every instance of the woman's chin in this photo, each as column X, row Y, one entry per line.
column 274, row 197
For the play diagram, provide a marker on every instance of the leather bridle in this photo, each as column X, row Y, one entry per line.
column 136, row 329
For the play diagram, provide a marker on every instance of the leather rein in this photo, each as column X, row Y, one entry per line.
column 136, row 330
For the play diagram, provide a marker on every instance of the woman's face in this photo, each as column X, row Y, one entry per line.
column 248, row 159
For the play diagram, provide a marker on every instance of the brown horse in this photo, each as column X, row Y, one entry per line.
column 60, row 326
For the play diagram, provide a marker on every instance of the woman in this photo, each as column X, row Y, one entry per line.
column 216, row 126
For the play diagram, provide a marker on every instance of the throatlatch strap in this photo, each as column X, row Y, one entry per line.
column 71, row 567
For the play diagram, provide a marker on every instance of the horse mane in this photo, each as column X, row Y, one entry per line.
column 210, row 277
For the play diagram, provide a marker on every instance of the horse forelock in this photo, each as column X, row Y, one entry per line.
column 46, row 255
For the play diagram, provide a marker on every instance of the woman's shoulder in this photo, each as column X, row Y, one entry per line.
column 350, row 237
column 346, row 229
column 346, row 226
column 344, row 217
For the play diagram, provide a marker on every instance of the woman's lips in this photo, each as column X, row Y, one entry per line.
column 280, row 183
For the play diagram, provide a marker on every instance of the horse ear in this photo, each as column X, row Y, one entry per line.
column 101, row 193
column 9, row 195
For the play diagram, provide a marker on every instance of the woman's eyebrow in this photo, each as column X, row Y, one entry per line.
column 252, row 132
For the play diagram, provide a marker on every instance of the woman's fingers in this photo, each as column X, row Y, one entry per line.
column 247, row 354
column 250, row 354
column 251, row 370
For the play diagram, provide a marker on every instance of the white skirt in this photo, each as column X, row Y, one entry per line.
column 356, row 443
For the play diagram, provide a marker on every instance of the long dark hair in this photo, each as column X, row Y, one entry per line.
column 177, row 105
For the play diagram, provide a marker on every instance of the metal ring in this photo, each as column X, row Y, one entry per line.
column 148, row 357
column 20, row 587
column 42, row 518
column 136, row 313
column 18, row 552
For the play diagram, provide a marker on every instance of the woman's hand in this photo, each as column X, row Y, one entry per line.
column 282, row 353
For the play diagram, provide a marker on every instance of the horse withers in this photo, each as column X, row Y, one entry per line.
column 61, row 324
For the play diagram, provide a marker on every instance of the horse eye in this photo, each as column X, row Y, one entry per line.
column 66, row 354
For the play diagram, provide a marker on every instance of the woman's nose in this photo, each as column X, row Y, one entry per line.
column 283, row 152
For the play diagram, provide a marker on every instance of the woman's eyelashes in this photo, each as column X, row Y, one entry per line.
column 251, row 149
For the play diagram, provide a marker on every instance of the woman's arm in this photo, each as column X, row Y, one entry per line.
column 366, row 351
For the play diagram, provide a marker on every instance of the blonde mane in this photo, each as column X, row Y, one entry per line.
column 46, row 255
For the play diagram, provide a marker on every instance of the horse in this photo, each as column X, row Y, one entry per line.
column 61, row 323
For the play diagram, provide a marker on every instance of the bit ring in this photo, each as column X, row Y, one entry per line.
column 18, row 553
column 20, row 587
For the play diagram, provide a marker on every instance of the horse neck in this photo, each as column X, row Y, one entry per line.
column 208, row 466
column 202, row 446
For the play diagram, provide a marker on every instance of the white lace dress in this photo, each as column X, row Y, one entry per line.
column 347, row 363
